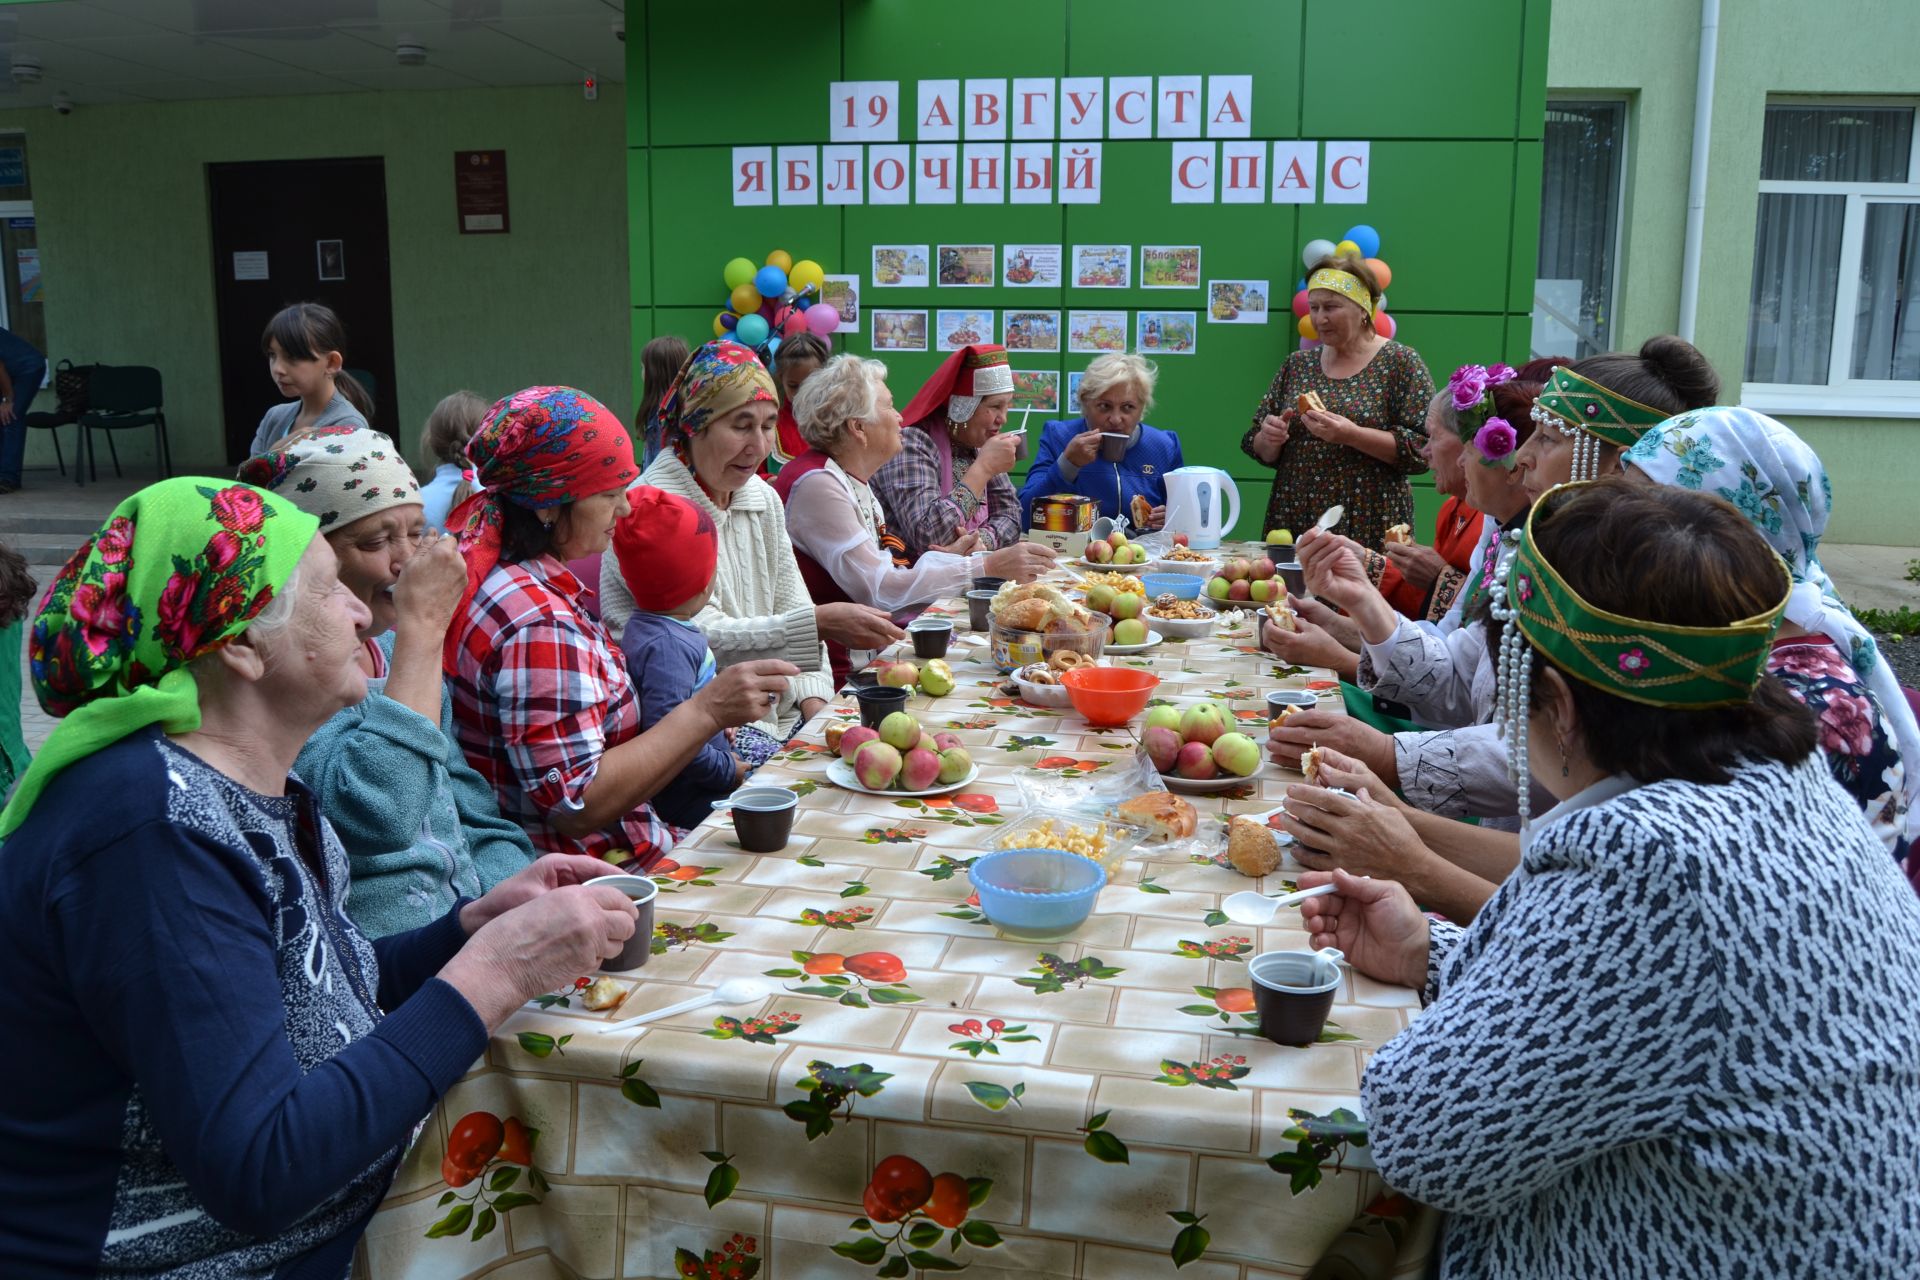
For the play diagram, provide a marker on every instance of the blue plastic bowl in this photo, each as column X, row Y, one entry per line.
column 1184, row 586
column 1037, row 894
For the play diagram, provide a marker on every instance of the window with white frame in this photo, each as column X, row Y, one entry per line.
column 1584, row 158
column 1835, row 319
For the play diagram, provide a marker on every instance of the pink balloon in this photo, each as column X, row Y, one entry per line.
column 822, row 320
column 793, row 322
column 1383, row 324
column 1300, row 303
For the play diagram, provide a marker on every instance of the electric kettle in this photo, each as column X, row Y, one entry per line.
column 1193, row 505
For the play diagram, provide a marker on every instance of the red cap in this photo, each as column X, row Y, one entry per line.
column 667, row 549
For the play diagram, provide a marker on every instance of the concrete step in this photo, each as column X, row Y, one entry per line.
column 46, row 548
column 28, row 524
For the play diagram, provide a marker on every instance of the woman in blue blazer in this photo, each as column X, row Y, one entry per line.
column 1115, row 394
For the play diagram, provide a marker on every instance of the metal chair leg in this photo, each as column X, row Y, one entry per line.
column 114, row 453
column 166, row 449
column 58, row 461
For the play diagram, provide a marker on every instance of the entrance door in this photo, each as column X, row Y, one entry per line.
column 289, row 231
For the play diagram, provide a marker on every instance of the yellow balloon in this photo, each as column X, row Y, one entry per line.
column 1306, row 327
column 1347, row 248
column 806, row 272
column 780, row 258
column 746, row 300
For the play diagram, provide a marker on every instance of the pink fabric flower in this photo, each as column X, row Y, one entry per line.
column 1814, row 660
column 116, row 541
column 101, row 611
column 240, row 509
column 176, row 626
column 1500, row 373
column 222, row 550
column 1467, row 383
column 1846, row 724
column 1496, row 440
column 1634, row 661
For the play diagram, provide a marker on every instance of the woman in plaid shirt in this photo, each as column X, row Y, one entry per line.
column 542, row 703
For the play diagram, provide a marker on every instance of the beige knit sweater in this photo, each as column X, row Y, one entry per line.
column 760, row 606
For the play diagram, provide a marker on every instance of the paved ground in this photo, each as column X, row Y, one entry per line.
column 46, row 520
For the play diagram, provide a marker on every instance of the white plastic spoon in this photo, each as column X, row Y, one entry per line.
column 1248, row 907
column 1330, row 517
column 732, row 991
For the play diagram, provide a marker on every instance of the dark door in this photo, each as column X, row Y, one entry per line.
column 299, row 231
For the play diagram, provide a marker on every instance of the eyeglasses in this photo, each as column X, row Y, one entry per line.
column 416, row 538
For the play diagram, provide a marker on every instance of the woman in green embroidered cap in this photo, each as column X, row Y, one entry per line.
column 1707, row 974
column 224, row 1071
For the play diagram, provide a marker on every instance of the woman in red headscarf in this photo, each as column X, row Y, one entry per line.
column 947, row 490
column 542, row 703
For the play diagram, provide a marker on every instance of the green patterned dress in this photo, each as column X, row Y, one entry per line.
column 1312, row 474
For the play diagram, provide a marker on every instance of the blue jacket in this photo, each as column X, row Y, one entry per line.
column 664, row 657
column 1113, row 484
column 213, row 1073
column 421, row 828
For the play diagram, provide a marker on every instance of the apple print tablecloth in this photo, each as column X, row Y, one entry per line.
column 917, row 1094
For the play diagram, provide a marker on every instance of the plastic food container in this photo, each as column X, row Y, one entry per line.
column 1012, row 648
column 1109, row 696
column 1182, row 586
column 1037, row 895
column 1041, row 695
column 1051, row 829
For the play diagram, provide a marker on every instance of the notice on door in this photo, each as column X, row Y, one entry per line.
column 250, row 265
column 480, row 192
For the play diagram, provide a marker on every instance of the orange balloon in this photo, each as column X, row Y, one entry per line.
column 1306, row 328
column 780, row 258
column 1383, row 325
column 1382, row 274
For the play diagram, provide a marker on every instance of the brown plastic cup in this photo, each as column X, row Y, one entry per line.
column 762, row 817
column 1113, row 446
column 1294, row 576
column 979, row 609
column 988, row 583
column 879, row 702
column 638, row 948
column 1280, row 701
column 930, row 636
column 1293, row 992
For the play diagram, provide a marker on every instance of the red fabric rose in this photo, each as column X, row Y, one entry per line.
column 240, row 509
column 116, row 541
column 1814, row 659
column 222, row 550
column 101, row 611
column 177, row 629
column 1847, row 724
column 225, row 598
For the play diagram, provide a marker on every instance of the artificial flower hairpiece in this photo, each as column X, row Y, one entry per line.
column 1471, row 388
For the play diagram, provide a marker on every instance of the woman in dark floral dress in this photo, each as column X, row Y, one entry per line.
column 1855, row 734
column 1359, row 452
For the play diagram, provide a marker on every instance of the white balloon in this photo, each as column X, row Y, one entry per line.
column 1316, row 250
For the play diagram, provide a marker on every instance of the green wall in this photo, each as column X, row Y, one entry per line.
column 1649, row 49
column 1455, row 191
column 120, row 196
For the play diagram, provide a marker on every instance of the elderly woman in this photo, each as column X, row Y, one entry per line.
column 1115, row 394
column 1823, row 655
column 949, row 482
column 224, row 1070
column 420, row 828
column 847, row 416
column 1358, row 448
column 1709, row 968
column 542, row 702
column 717, row 422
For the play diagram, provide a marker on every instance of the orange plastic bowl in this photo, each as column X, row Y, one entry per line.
column 1109, row 696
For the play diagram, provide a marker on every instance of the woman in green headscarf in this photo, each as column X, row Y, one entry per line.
column 223, row 1071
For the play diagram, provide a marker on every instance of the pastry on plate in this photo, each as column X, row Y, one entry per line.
column 1168, row 816
column 1251, row 847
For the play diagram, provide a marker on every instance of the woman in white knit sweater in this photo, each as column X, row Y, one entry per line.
column 717, row 423
column 1684, row 1038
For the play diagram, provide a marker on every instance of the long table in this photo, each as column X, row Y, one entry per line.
column 1014, row 1077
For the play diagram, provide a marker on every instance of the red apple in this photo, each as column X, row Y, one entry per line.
column 1196, row 762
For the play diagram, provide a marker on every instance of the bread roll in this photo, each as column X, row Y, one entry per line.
column 1026, row 615
column 1310, row 401
column 1310, row 765
column 1400, row 533
column 1167, row 816
column 1281, row 614
column 1141, row 511
column 1251, row 847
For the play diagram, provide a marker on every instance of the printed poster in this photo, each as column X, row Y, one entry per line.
column 899, row 266
column 1030, row 266
column 1168, row 333
column 1237, row 301
column 1102, row 266
column 1032, row 331
column 964, row 266
column 1095, row 332
column 1073, row 393
column 1036, row 389
column 842, row 293
column 28, row 263
column 953, row 330
column 899, row 330
column 1170, row 266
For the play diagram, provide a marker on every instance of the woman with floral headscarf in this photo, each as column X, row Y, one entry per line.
column 542, row 702
column 420, row 827
column 717, row 424
column 1823, row 653
column 224, row 1070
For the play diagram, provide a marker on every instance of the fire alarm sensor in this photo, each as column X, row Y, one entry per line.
column 591, row 87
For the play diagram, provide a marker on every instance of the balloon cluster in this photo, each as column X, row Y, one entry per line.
column 774, row 301
column 1359, row 242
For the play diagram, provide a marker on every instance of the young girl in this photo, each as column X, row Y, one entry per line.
column 660, row 362
column 798, row 359
column 305, row 346
column 444, row 443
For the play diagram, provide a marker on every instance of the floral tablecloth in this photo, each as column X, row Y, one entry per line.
column 919, row 1094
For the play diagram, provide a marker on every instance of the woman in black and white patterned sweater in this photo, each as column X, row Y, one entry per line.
column 1683, row 1039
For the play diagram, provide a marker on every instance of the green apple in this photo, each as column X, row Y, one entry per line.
column 1100, row 598
column 1218, row 587
column 1163, row 716
column 1126, row 604
column 1129, row 631
column 1261, row 589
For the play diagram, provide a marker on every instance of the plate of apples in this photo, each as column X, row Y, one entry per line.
column 1116, row 551
column 1242, row 582
column 1197, row 750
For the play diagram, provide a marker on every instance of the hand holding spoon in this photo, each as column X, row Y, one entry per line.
column 1248, row 907
column 1330, row 517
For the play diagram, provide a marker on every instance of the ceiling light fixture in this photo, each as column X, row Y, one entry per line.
column 26, row 69
column 410, row 54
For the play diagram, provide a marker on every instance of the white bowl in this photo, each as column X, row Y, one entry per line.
column 1042, row 695
column 1180, row 628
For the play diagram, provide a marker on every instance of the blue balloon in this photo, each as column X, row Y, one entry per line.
column 1367, row 238
column 752, row 330
column 770, row 281
column 802, row 302
column 773, row 345
column 728, row 319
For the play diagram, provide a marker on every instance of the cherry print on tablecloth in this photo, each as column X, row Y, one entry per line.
column 973, row 1043
column 733, row 1260
column 757, row 1030
column 922, row 1209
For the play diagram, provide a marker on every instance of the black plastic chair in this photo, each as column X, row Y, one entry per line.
column 120, row 397
column 51, row 422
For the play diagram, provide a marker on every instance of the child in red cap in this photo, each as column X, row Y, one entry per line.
column 667, row 549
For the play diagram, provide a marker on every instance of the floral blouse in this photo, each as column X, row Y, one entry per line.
column 1312, row 474
column 1855, row 735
